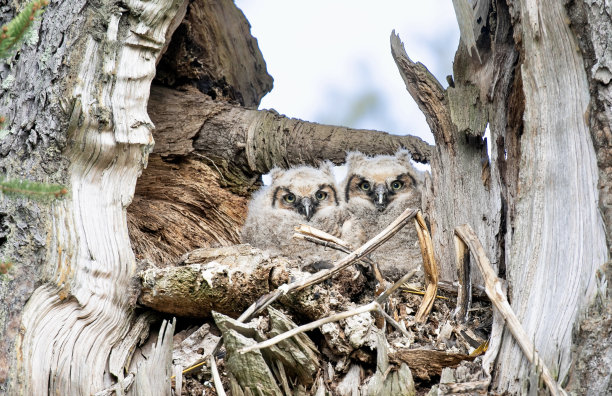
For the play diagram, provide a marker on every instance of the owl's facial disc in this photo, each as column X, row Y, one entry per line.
column 380, row 191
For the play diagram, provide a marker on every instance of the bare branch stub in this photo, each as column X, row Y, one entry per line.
column 427, row 92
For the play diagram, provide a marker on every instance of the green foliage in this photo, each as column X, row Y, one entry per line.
column 13, row 32
column 11, row 35
column 31, row 189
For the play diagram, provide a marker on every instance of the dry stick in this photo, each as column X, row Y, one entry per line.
column 320, row 276
column 494, row 289
column 429, row 267
column 322, row 238
column 364, row 250
column 464, row 291
column 373, row 306
column 216, row 377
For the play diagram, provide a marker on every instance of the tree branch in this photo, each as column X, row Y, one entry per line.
column 494, row 291
column 255, row 141
column 425, row 90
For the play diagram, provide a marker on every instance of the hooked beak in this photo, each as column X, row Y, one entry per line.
column 381, row 197
column 306, row 208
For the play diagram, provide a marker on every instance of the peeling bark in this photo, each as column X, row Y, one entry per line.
column 95, row 64
column 532, row 200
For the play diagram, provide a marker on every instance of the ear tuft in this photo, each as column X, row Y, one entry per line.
column 403, row 156
column 276, row 172
column 327, row 167
column 354, row 158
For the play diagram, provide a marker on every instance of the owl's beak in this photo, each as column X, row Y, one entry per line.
column 306, row 208
column 381, row 197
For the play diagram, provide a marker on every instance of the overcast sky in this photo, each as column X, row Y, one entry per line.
column 332, row 64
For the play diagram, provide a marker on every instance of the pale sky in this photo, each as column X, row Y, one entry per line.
column 332, row 63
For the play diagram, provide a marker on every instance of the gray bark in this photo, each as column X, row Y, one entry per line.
column 77, row 115
column 533, row 200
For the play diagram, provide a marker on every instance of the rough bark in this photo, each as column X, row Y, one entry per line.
column 213, row 50
column 77, row 112
column 533, row 200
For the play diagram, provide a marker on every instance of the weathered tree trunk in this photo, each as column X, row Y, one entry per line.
column 77, row 115
column 533, row 200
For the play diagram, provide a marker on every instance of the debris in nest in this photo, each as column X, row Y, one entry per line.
column 376, row 341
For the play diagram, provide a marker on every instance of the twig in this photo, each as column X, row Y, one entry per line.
column 493, row 287
column 304, row 229
column 394, row 323
column 215, row 376
column 322, row 238
column 429, row 268
column 373, row 306
column 364, row 250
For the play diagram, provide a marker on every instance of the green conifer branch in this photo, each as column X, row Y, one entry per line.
column 32, row 189
column 13, row 32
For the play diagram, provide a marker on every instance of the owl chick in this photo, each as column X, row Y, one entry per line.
column 302, row 195
column 377, row 190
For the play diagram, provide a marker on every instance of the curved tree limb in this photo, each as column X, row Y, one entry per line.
column 425, row 90
column 257, row 140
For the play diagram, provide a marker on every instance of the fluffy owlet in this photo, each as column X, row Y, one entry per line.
column 377, row 190
column 302, row 195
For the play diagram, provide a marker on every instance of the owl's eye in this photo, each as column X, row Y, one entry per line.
column 321, row 195
column 365, row 186
column 396, row 185
column 289, row 198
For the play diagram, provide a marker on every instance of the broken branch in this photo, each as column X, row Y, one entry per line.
column 429, row 268
column 493, row 287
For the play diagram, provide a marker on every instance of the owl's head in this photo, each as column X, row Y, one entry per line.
column 380, row 180
column 305, row 190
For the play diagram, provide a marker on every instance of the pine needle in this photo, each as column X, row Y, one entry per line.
column 13, row 32
column 30, row 189
column 409, row 289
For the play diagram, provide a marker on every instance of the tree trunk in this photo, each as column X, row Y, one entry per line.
column 77, row 115
column 533, row 200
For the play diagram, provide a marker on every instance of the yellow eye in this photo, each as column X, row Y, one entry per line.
column 365, row 186
column 396, row 185
column 289, row 198
column 321, row 195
